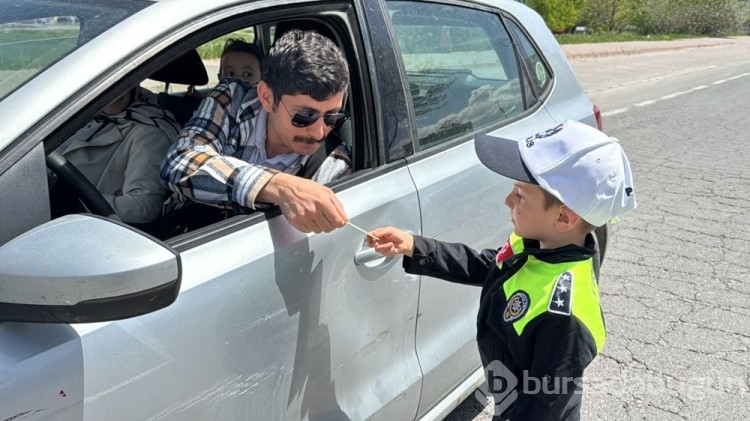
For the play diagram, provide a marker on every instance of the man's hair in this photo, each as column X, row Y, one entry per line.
column 236, row 45
column 550, row 200
column 305, row 63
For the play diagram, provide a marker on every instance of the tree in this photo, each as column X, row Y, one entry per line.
column 559, row 15
column 609, row 15
column 703, row 17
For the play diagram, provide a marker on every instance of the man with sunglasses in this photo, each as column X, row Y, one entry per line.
column 246, row 143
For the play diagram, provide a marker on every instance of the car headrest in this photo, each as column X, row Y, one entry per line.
column 188, row 69
column 304, row 25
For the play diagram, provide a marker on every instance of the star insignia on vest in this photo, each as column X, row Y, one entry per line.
column 561, row 300
column 517, row 306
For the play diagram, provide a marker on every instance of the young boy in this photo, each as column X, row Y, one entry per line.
column 241, row 60
column 539, row 323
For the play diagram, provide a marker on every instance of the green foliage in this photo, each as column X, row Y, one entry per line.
column 22, row 48
column 213, row 48
column 609, row 15
column 560, row 15
column 699, row 17
column 616, row 37
column 704, row 17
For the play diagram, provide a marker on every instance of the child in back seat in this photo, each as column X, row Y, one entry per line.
column 241, row 60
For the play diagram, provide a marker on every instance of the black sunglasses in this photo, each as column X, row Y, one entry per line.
column 308, row 118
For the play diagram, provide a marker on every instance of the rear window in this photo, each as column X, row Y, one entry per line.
column 34, row 34
column 462, row 68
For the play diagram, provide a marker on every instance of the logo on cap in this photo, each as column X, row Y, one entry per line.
column 542, row 135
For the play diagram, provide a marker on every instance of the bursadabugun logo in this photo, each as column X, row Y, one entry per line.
column 500, row 386
column 503, row 386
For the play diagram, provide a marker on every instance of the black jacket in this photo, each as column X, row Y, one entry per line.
column 533, row 338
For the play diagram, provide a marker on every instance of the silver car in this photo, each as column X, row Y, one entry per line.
column 248, row 318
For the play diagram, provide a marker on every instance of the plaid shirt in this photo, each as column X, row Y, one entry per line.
column 219, row 158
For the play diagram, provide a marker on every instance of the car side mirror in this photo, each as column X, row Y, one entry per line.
column 85, row 268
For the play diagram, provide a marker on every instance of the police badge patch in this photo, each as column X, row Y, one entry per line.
column 518, row 305
column 561, row 300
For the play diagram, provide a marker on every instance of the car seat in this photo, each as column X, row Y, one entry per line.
column 188, row 69
column 304, row 25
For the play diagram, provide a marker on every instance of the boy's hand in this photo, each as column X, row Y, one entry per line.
column 391, row 241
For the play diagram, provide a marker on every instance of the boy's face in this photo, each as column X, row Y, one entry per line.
column 243, row 66
column 527, row 213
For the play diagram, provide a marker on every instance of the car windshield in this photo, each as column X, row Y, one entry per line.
column 34, row 34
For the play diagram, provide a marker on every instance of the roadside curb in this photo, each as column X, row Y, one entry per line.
column 584, row 51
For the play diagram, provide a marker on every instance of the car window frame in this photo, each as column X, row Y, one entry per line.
column 540, row 96
column 530, row 107
column 341, row 18
column 366, row 132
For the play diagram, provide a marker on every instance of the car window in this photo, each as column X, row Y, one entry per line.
column 27, row 47
column 210, row 53
column 36, row 34
column 539, row 74
column 461, row 68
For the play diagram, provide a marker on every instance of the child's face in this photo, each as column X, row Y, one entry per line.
column 527, row 213
column 243, row 66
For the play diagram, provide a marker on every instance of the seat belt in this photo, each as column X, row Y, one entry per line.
column 333, row 140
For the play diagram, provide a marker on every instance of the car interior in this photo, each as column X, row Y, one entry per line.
column 188, row 70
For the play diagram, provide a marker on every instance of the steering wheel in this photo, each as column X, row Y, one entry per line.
column 87, row 192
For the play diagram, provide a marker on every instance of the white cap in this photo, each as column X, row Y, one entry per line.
column 583, row 167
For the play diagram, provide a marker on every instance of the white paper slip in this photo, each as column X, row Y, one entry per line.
column 361, row 230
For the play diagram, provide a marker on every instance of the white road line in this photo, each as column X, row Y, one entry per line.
column 719, row 82
column 614, row 112
column 673, row 95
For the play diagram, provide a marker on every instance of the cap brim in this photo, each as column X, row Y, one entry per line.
column 503, row 157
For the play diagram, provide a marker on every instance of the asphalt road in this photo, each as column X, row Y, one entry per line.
column 675, row 287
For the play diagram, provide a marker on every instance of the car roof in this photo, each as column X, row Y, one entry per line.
column 91, row 63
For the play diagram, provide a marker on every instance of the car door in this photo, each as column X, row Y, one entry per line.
column 270, row 323
column 464, row 78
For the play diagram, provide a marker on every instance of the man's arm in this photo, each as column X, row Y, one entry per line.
column 195, row 166
column 196, row 169
column 307, row 205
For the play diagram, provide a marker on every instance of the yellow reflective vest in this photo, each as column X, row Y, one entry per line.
column 539, row 322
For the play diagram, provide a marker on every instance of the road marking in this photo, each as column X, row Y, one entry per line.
column 614, row 112
column 719, row 82
column 673, row 95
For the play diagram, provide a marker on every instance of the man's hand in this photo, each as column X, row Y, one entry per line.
column 391, row 241
column 307, row 205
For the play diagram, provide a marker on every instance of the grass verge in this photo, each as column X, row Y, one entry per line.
column 618, row 37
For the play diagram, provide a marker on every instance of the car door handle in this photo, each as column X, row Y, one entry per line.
column 367, row 255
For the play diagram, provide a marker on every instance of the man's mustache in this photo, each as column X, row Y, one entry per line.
column 308, row 140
